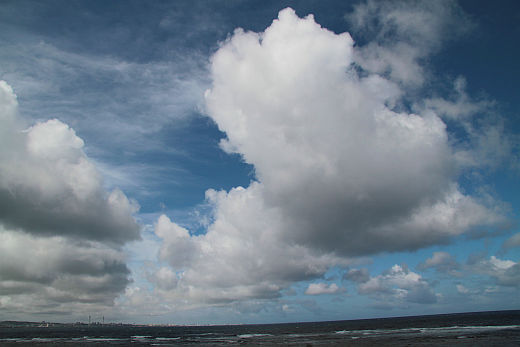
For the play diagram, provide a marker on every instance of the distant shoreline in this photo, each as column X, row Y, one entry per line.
column 14, row 323
column 484, row 328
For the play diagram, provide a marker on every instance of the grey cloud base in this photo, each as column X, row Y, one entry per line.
column 42, row 275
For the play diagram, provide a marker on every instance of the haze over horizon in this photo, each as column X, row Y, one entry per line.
column 258, row 161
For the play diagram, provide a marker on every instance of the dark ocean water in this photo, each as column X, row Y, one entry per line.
column 500, row 328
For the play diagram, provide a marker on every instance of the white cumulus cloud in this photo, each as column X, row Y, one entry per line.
column 347, row 173
column 399, row 284
column 48, row 186
column 339, row 172
column 504, row 272
column 60, row 232
column 322, row 288
column 442, row 262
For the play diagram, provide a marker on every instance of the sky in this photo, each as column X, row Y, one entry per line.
column 223, row 162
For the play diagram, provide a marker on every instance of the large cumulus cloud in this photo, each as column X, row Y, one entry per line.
column 60, row 232
column 236, row 259
column 49, row 187
column 347, row 173
column 340, row 170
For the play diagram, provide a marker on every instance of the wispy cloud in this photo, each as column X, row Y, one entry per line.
column 398, row 36
column 121, row 105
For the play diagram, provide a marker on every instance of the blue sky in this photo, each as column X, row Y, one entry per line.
column 257, row 161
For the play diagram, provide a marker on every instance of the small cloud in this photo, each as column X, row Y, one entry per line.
column 504, row 272
column 489, row 290
column 286, row 308
column 441, row 262
column 399, row 284
column 512, row 242
column 461, row 289
column 322, row 288
column 358, row 276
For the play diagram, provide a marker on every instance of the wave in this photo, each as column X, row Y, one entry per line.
column 248, row 336
column 428, row 331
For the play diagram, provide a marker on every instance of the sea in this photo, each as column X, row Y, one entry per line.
column 497, row 328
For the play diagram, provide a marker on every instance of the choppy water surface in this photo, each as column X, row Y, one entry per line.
column 469, row 329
